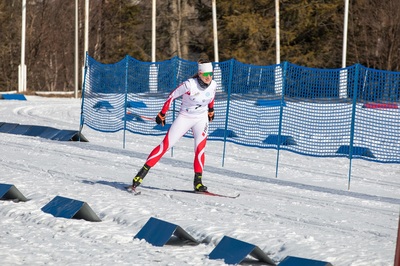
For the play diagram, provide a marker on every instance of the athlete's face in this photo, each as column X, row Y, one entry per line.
column 206, row 77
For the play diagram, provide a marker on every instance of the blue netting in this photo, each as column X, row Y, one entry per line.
column 377, row 125
column 349, row 112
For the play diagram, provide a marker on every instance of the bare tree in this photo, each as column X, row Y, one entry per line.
column 10, row 38
column 179, row 29
column 50, row 45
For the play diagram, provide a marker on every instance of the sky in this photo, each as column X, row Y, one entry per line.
column 305, row 211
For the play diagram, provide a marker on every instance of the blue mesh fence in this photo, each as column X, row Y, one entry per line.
column 351, row 112
column 377, row 121
column 316, row 120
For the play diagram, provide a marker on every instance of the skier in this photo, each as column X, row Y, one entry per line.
column 196, row 111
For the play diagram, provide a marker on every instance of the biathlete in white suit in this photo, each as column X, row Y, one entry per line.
column 196, row 111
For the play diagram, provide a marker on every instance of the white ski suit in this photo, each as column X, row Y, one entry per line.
column 193, row 115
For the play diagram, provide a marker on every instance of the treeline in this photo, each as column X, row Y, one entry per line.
column 311, row 34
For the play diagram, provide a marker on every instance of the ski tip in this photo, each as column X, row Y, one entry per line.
column 217, row 194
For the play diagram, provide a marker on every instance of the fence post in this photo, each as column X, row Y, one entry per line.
column 227, row 107
column 126, row 96
column 353, row 118
column 397, row 251
column 83, row 95
column 281, row 116
column 177, row 63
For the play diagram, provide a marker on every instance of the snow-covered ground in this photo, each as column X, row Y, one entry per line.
column 307, row 211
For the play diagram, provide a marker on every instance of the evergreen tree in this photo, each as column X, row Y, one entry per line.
column 312, row 32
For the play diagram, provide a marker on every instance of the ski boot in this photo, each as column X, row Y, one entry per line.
column 198, row 185
column 138, row 179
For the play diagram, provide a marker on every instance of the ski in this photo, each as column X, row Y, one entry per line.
column 132, row 190
column 208, row 193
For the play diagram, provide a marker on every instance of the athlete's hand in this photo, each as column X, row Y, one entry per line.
column 210, row 114
column 160, row 119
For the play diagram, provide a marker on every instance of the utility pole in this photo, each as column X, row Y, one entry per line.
column 22, row 66
column 153, row 32
column 76, row 48
column 215, row 30
column 277, row 33
column 86, row 38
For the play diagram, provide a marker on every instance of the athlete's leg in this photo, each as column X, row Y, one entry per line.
column 178, row 128
column 200, row 133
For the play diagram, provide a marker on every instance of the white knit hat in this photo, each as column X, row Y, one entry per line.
column 205, row 67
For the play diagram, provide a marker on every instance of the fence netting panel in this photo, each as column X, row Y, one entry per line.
column 104, row 95
column 377, row 118
column 315, row 119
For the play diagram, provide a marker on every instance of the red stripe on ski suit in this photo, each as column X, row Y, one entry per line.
column 181, row 125
column 158, row 152
column 199, row 157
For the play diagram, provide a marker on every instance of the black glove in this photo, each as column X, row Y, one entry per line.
column 210, row 114
column 160, row 119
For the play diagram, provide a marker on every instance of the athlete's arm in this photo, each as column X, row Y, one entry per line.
column 179, row 91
